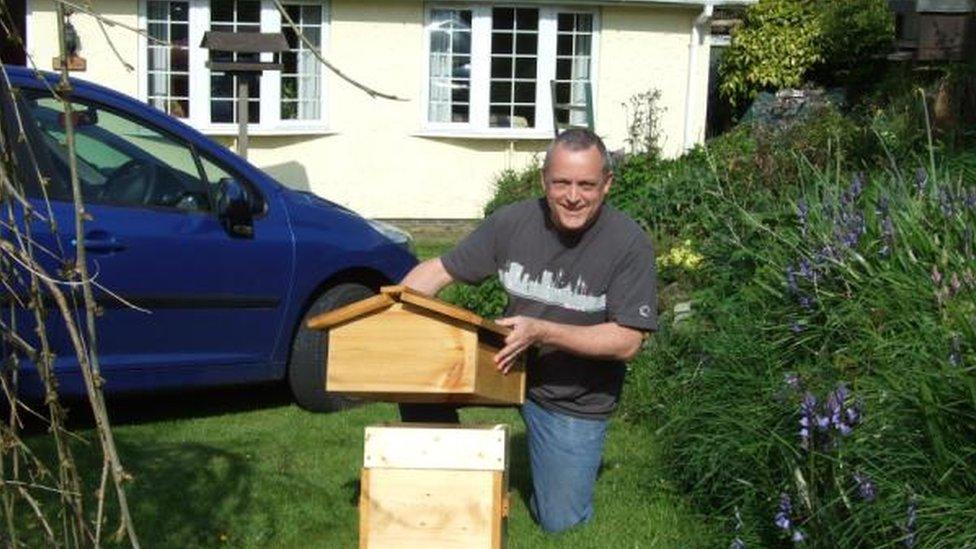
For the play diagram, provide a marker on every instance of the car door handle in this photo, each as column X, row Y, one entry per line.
column 100, row 242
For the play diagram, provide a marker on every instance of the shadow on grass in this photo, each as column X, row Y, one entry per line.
column 139, row 408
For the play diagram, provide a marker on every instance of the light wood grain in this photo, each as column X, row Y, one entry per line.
column 442, row 509
column 335, row 317
column 489, row 380
column 464, row 448
column 401, row 350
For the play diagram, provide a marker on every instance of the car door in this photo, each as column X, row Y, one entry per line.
column 185, row 300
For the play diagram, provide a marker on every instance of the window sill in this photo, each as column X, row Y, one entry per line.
column 283, row 131
column 504, row 134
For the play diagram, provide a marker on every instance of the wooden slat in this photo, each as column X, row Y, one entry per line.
column 408, row 446
column 364, row 516
column 409, row 295
column 489, row 380
column 409, row 508
column 400, row 350
column 329, row 319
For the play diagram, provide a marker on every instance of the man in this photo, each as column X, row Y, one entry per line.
column 581, row 283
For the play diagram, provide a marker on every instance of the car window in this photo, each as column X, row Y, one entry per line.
column 120, row 160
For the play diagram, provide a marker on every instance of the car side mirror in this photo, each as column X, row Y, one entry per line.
column 235, row 208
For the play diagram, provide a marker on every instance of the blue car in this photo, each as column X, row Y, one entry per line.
column 204, row 266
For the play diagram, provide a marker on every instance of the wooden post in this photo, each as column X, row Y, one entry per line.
column 242, row 116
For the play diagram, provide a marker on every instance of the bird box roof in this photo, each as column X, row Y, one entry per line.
column 402, row 294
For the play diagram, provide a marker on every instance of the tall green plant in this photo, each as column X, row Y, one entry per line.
column 786, row 43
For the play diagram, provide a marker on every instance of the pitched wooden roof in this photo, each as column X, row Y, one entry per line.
column 392, row 294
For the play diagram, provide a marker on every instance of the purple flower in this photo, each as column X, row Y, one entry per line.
column 946, row 201
column 795, row 327
column 971, row 199
column 910, row 515
column 791, row 280
column 921, row 180
column 806, row 302
column 782, row 518
column 798, row 536
column 806, row 270
column 808, row 410
column 865, row 488
column 857, row 185
column 802, row 214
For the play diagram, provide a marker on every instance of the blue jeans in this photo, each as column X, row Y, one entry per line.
column 565, row 454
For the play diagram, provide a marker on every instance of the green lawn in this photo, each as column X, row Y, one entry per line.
column 207, row 475
column 246, row 468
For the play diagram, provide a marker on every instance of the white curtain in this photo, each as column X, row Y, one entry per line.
column 440, row 66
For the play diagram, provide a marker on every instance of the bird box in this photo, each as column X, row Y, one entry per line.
column 403, row 346
column 434, row 487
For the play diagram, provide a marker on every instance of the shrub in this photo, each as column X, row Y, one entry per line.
column 785, row 43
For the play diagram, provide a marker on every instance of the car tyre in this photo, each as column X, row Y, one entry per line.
column 309, row 353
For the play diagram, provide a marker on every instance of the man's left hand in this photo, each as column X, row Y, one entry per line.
column 526, row 331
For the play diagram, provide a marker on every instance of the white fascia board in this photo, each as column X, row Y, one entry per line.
column 649, row 3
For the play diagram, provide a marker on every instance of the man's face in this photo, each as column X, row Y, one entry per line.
column 575, row 187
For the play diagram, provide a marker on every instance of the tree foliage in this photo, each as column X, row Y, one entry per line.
column 785, row 43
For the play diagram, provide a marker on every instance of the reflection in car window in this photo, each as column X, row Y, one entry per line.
column 121, row 161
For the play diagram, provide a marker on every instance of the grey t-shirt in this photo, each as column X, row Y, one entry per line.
column 604, row 274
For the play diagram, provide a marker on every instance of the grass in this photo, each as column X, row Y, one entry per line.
column 247, row 468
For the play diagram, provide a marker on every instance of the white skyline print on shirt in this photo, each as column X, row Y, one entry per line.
column 550, row 289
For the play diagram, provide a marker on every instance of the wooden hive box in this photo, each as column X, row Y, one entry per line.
column 434, row 487
column 403, row 346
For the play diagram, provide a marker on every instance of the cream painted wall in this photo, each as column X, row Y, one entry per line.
column 374, row 162
column 103, row 65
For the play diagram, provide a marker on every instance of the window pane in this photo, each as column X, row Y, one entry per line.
column 222, row 111
column 222, row 10
column 573, row 47
column 527, row 19
column 501, row 43
column 525, row 92
column 122, row 161
column 503, row 18
column 301, row 93
column 526, row 43
column 450, row 66
column 501, row 67
column 525, row 68
column 168, row 64
column 501, row 92
column 514, row 48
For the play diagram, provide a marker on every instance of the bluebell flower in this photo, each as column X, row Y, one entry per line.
column 795, row 326
column 921, row 180
column 865, row 488
column 808, row 410
column 806, row 302
column 857, row 185
column 806, row 270
column 782, row 518
column 946, row 201
column 791, row 280
column 971, row 199
column 911, row 515
column 798, row 536
column 802, row 214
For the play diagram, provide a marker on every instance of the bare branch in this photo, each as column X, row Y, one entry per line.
column 318, row 55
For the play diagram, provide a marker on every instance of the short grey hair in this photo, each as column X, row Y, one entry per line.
column 579, row 139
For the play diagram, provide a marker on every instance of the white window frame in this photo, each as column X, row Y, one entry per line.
column 270, row 104
column 478, row 114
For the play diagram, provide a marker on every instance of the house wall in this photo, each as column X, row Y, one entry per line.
column 373, row 161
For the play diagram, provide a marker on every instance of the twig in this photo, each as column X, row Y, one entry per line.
column 112, row 22
column 89, row 362
column 318, row 55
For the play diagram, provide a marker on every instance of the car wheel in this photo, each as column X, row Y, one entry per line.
column 310, row 351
